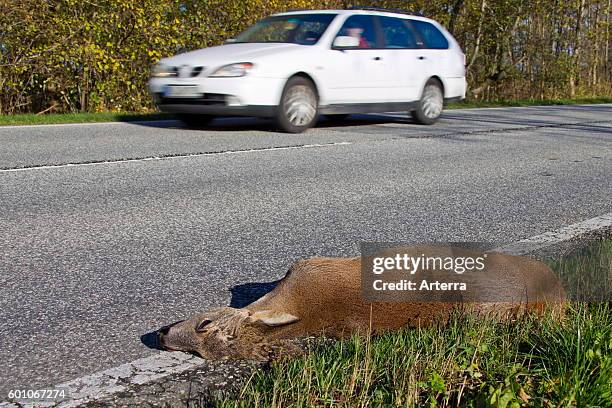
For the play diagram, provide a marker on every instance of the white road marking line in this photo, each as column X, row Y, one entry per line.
column 142, row 371
column 178, row 156
column 119, row 378
column 547, row 239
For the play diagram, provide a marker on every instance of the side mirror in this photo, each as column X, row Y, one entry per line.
column 345, row 41
column 230, row 41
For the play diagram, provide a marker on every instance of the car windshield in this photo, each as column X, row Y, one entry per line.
column 304, row 29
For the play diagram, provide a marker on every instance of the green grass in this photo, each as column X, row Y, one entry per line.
column 587, row 275
column 527, row 102
column 58, row 118
column 471, row 362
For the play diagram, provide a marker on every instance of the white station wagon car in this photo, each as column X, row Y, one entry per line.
column 296, row 65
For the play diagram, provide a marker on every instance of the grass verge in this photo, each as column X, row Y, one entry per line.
column 62, row 118
column 471, row 362
column 527, row 102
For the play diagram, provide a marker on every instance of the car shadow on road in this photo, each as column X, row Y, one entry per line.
column 366, row 120
column 236, row 124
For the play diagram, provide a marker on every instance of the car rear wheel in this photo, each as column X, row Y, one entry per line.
column 194, row 121
column 297, row 110
column 430, row 106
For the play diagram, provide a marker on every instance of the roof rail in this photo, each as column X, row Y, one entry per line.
column 386, row 10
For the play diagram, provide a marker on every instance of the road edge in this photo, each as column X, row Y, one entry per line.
column 106, row 383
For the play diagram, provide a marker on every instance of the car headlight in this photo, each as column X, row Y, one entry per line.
column 233, row 70
column 163, row 71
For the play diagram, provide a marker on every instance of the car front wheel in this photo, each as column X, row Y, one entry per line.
column 297, row 110
column 430, row 106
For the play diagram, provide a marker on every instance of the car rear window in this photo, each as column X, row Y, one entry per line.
column 432, row 37
column 396, row 33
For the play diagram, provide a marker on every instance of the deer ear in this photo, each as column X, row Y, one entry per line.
column 272, row 319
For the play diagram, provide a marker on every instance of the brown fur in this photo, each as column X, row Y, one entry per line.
column 323, row 296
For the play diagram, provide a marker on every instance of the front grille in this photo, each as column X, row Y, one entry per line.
column 206, row 99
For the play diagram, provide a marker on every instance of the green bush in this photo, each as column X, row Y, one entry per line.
column 69, row 55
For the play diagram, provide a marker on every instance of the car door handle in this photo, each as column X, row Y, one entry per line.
column 377, row 58
column 422, row 58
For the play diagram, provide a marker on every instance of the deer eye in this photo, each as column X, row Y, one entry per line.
column 203, row 325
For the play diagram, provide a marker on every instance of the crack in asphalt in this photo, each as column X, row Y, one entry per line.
column 169, row 156
column 297, row 146
column 487, row 131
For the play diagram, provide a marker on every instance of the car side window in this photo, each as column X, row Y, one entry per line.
column 362, row 28
column 396, row 33
column 311, row 29
column 432, row 37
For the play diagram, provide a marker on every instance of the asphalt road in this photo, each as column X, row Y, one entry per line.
column 92, row 256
